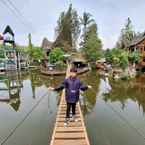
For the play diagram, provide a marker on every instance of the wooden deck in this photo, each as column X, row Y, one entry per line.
column 75, row 133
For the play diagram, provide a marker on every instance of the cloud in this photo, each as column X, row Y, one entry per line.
column 110, row 15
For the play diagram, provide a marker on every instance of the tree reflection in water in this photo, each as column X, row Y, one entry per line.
column 89, row 97
column 11, row 85
column 122, row 92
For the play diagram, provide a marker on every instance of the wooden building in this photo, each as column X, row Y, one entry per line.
column 46, row 46
column 8, row 36
column 138, row 43
column 10, row 87
column 11, row 55
column 78, row 60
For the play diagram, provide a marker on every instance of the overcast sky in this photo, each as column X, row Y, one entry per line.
column 110, row 15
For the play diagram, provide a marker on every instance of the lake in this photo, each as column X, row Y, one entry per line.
column 28, row 110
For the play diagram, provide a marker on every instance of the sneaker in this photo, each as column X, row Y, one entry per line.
column 66, row 122
column 74, row 118
column 71, row 115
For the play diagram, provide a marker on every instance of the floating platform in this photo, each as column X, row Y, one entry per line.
column 57, row 73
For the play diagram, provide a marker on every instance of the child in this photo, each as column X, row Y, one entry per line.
column 72, row 86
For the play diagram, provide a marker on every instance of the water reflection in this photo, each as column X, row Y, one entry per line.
column 128, row 90
column 19, row 94
column 23, row 91
column 113, row 91
column 10, row 89
column 89, row 97
column 117, row 116
column 11, row 86
column 104, row 86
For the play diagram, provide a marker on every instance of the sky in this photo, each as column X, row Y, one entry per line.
column 39, row 17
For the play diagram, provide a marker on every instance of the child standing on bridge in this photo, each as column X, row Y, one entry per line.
column 72, row 86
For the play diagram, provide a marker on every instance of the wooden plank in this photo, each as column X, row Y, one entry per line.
column 67, row 135
column 70, row 142
column 63, row 116
column 63, row 119
column 64, row 113
column 70, row 124
column 64, row 105
column 70, row 129
column 64, row 109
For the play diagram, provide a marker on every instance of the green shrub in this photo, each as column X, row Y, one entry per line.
column 56, row 54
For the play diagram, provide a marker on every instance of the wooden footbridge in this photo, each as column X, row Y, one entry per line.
column 75, row 133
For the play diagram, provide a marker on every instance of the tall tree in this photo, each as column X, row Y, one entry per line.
column 68, row 29
column 75, row 28
column 30, row 47
column 92, row 48
column 60, row 23
column 30, row 41
column 34, row 53
column 86, row 20
column 127, row 35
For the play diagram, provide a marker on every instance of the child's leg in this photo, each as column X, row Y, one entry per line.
column 73, row 109
column 68, row 110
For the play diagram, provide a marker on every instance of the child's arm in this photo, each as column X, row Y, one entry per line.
column 84, row 87
column 60, row 87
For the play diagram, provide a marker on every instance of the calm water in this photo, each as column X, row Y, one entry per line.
column 27, row 112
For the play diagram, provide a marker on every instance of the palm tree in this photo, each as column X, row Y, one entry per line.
column 86, row 20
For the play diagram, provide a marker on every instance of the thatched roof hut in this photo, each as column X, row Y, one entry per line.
column 78, row 60
column 77, row 57
column 46, row 46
